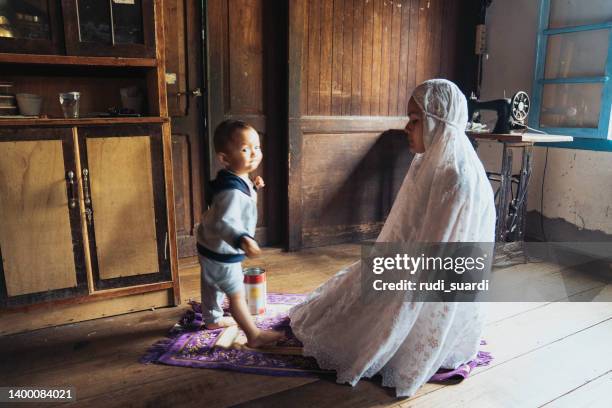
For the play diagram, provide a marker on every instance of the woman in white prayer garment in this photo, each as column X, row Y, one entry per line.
column 445, row 197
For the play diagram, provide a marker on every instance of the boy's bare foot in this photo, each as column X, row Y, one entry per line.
column 265, row 338
column 222, row 322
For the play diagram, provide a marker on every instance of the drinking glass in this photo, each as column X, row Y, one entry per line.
column 70, row 104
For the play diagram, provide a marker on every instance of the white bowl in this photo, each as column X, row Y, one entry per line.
column 29, row 104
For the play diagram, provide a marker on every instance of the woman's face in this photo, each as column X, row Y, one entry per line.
column 414, row 128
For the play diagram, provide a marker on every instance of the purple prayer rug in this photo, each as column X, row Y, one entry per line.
column 189, row 345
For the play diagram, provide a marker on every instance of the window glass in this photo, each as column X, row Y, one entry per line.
column 569, row 13
column 127, row 19
column 582, row 53
column 94, row 21
column 571, row 105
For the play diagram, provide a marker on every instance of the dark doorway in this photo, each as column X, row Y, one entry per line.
column 226, row 59
column 247, row 68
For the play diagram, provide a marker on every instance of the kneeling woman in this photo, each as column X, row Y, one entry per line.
column 445, row 197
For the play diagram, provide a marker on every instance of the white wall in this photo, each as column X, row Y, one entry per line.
column 578, row 185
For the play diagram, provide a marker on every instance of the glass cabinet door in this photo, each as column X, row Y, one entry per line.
column 30, row 26
column 118, row 28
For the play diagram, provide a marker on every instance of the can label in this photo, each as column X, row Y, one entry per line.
column 255, row 293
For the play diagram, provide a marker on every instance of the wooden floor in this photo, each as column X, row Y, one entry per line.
column 555, row 354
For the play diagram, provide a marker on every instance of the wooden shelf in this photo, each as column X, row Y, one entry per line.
column 78, row 61
column 80, row 122
column 525, row 137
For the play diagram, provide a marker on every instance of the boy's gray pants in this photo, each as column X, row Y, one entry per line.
column 217, row 280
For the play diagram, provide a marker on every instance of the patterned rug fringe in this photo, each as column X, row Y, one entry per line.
column 483, row 358
column 155, row 351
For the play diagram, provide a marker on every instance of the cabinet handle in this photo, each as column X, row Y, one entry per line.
column 89, row 215
column 86, row 187
column 166, row 247
column 72, row 201
column 193, row 92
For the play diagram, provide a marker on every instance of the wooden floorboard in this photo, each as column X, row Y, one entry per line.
column 593, row 394
column 529, row 340
column 508, row 339
column 326, row 393
column 534, row 378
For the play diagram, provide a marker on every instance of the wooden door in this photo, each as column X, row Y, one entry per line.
column 41, row 248
column 247, row 81
column 186, row 106
column 125, row 203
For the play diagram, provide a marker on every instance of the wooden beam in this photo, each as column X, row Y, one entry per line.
column 102, row 294
column 17, row 321
column 351, row 124
column 297, row 48
column 38, row 122
column 160, row 90
column 76, row 60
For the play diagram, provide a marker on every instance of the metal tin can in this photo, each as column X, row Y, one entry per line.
column 255, row 290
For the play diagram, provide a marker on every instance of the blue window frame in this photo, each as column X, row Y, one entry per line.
column 596, row 83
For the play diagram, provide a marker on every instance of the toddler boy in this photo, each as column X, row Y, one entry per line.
column 226, row 231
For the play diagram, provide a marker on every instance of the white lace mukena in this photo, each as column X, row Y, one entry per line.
column 445, row 197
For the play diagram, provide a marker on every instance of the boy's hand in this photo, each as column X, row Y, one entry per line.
column 250, row 247
column 259, row 182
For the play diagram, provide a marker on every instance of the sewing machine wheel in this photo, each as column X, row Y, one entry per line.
column 520, row 106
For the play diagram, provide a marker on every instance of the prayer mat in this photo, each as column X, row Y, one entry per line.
column 190, row 345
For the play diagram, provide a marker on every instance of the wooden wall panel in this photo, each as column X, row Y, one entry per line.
column 337, row 54
column 353, row 66
column 347, row 57
column 244, row 57
column 314, row 57
column 367, row 59
column 374, row 52
column 351, row 189
column 182, row 183
column 394, row 62
column 382, row 100
column 349, row 53
column 325, row 88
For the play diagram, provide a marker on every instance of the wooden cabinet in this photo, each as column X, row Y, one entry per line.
column 86, row 204
column 32, row 26
column 82, row 210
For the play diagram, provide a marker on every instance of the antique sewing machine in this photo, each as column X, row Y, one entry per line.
column 511, row 113
column 511, row 202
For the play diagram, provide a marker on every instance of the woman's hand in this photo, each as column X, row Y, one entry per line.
column 250, row 247
column 259, row 182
